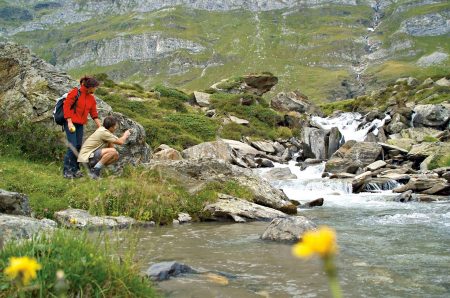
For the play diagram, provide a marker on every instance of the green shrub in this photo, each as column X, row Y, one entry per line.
column 31, row 140
column 284, row 132
column 439, row 160
column 171, row 103
column 89, row 270
column 198, row 126
column 101, row 91
column 230, row 83
column 171, row 92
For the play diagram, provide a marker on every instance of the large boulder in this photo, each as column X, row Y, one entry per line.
column 291, row 101
column 164, row 152
column 239, row 210
column 16, row 227
column 279, row 174
column 14, row 203
column 431, row 115
column 194, row 174
column 288, row 229
column 215, row 149
column 423, row 150
column 317, row 139
column 352, row 156
column 202, row 98
column 420, row 134
column 335, row 141
column 257, row 84
column 30, row 87
column 241, row 148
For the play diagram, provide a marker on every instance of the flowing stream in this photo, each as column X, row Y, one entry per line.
column 386, row 248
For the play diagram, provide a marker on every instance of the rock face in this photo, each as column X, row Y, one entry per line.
column 431, row 115
column 195, row 173
column 216, row 150
column 259, row 84
column 317, row 139
column 30, row 87
column 81, row 219
column 14, row 203
column 432, row 24
column 352, row 156
column 288, row 229
column 165, row 270
column 239, row 210
column 432, row 59
column 16, row 227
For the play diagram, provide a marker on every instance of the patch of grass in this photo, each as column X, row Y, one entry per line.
column 89, row 270
column 439, row 160
column 171, row 92
column 171, row 103
column 430, row 139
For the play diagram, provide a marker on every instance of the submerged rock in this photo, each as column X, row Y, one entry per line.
column 165, row 270
column 313, row 203
column 288, row 229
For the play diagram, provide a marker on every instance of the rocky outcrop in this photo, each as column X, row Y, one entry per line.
column 292, row 101
column 256, row 84
column 14, row 203
column 216, row 150
column 288, row 229
column 435, row 58
column 432, row 24
column 77, row 218
column 239, row 210
column 30, row 88
column 194, row 174
column 17, row 227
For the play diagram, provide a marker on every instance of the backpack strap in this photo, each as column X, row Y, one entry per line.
column 76, row 99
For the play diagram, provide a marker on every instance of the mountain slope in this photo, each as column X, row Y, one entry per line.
column 328, row 49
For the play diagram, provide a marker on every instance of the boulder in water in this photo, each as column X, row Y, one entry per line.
column 352, row 156
column 165, row 270
column 288, row 229
column 313, row 203
column 81, row 219
column 279, row 174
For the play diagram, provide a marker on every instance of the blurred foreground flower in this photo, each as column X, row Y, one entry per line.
column 323, row 243
column 22, row 269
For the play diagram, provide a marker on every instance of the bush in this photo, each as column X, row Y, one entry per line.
column 101, row 92
column 31, row 140
column 172, row 104
column 284, row 133
column 89, row 271
column 197, row 125
column 171, row 92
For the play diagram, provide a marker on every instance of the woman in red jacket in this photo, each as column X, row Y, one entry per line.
column 76, row 116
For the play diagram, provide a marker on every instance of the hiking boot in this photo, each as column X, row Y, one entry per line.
column 68, row 175
column 95, row 173
column 78, row 174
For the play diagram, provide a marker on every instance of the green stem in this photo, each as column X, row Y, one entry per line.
column 333, row 281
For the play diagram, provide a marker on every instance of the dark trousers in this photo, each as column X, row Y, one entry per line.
column 75, row 140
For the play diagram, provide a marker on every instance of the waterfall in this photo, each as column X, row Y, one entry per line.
column 349, row 125
column 378, row 187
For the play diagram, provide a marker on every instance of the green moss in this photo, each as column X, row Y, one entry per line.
column 430, row 139
column 439, row 160
column 89, row 270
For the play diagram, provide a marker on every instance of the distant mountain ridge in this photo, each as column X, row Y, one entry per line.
column 330, row 49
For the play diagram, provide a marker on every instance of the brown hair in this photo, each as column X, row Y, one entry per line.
column 109, row 122
column 89, row 82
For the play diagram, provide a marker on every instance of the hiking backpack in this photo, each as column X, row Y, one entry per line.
column 58, row 111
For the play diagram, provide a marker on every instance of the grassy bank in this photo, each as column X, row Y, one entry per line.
column 89, row 270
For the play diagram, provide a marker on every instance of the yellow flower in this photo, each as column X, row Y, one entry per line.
column 73, row 221
column 24, row 268
column 321, row 242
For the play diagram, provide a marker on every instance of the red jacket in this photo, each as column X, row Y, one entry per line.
column 85, row 104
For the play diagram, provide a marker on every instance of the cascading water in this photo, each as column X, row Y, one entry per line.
column 349, row 125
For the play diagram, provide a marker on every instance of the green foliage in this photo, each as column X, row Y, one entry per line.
column 230, row 187
column 31, row 140
column 439, row 160
column 284, row 132
column 196, row 125
column 171, row 92
column 172, row 104
column 430, row 139
column 230, row 83
column 101, row 91
column 89, row 270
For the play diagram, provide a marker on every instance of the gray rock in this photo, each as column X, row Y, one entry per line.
column 202, row 98
column 238, row 120
column 165, row 270
column 420, row 184
column 291, row 101
column 184, row 217
column 239, row 210
column 279, row 149
column 313, row 203
column 432, row 24
column 167, row 154
column 216, row 150
column 14, row 203
column 264, row 146
column 16, row 227
column 435, row 58
column 431, row 115
column 353, row 155
column 279, row 174
column 335, row 141
column 264, row 163
column 443, row 82
column 242, row 148
column 81, row 219
column 288, row 229
column 376, row 165
column 317, row 139
column 194, row 174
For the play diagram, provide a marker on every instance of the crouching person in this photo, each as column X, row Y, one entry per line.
column 98, row 150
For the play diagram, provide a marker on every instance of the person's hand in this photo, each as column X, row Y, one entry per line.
column 127, row 133
column 71, row 126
